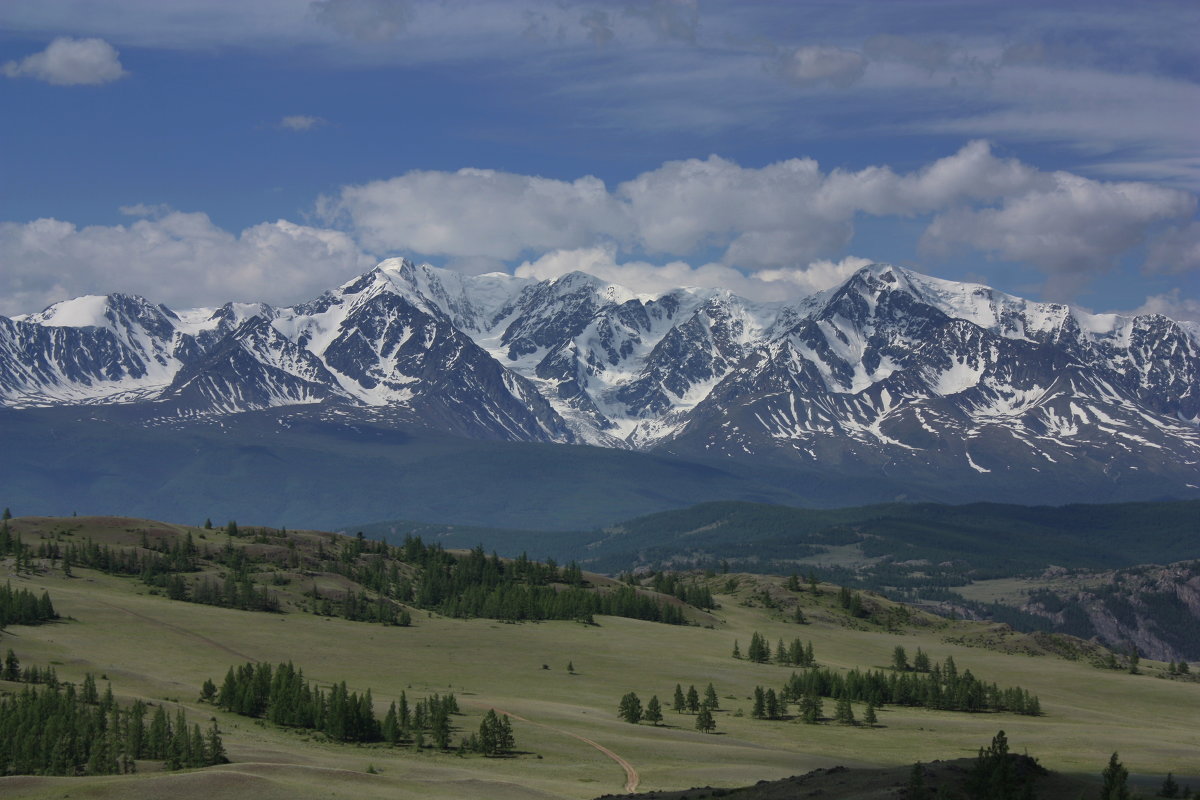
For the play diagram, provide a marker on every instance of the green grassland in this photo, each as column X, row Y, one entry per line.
column 162, row 650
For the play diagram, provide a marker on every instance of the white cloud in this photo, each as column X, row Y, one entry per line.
column 301, row 122
column 644, row 277
column 1068, row 226
column 1176, row 250
column 181, row 259
column 822, row 65
column 477, row 212
column 70, row 62
column 1171, row 304
column 781, row 215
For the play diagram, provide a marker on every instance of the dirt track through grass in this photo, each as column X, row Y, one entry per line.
column 177, row 629
column 632, row 778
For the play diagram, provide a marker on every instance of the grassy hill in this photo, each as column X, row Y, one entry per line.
column 570, row 741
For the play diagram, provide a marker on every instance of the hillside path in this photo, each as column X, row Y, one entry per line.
column 632, row 778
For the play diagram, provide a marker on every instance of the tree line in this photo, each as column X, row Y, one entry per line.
column 796, row 653
column 23, row 607
column 56, row 730
column 943, row 688
column 281, row 695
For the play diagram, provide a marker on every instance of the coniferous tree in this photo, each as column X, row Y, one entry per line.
column 653, row 711
column 1169, row 787
column 870, row 719
column 1115, row 778
column 916, row 789
column 710, row 698
column 630, row 708
column 678, row 702
column 705, row 722
column 693, row 700
column 899, row 659
column 844, row 711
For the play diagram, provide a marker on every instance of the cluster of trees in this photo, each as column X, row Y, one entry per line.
column 920, row 662
column 282, row 695
column 630, row 708
column 689, row 591
column 796, row 654
column 478, row 585
column 11, row 671
column 495, row 736
column 23, row 607
column 998, row 774
column 236, row 591
column 360, row 608
column 852, row 602
column 943, row 688
column 56, row 730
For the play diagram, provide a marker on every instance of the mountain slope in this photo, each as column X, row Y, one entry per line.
column 892, row 377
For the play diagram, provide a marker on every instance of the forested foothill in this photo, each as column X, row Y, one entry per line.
column 278, row 571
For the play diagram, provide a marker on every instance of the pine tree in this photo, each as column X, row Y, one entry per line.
column 630, row 708
column 710, row 698
column 678, row 702
column 1115, row 778
column 391, row 725
column 1169, row 787
column 653, row 711
column 693, row 699
column 705, row 722
column 844, row 712
column 921, row 661
column 737, row 653
column 917, row 790
column 899, row 659
column 869, row 717
column 759, row 710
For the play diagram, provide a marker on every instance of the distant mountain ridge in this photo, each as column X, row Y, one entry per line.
column 891, row 372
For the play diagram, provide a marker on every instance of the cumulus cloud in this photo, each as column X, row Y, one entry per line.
column 642, row 276
column 821, row 65
column 477, row 212
column 1176, row 250
column 365, row 20
column 1070, row 227
column 300, row 122
column 1172, row 304
column 70, row 62
column 782, row 215
column 179, row 258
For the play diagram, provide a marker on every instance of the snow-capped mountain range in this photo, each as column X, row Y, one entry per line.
column 892, row 370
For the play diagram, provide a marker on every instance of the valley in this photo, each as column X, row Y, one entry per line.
column 149, row 646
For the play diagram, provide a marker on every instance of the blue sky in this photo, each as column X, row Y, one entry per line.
column 199, row 151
